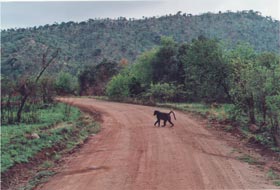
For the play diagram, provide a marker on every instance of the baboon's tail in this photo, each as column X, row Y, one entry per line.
column 173, row 114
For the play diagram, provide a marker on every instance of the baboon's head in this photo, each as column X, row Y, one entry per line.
column 155, row 112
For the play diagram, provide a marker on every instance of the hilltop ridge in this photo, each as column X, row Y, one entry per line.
column 89, row 42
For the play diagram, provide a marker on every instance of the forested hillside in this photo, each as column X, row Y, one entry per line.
column 87, row 43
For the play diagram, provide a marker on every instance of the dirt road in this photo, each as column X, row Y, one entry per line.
column 131, row 154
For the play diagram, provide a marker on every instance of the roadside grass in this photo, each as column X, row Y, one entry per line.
column 61, row 128
column 219, row 113
column 274, row 176
column 17, row 144
column 74, row 135
column 224, row 116
column 277, row 182
column 40, row 177
column 249, row 159
column 271, row 174
column 79, row 132
column 47, row 164
column 99, row 97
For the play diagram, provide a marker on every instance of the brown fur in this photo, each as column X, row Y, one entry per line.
column 163, row 116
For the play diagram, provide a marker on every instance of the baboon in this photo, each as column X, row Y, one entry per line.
column 164, row 116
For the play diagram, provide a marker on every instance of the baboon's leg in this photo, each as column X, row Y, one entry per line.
column 169, row 120
column 164, row 123
column 156, row 122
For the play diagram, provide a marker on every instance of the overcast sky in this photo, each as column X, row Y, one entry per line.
column 28, row 14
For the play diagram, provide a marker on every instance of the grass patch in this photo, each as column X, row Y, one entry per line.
column 277, row 182
column 219, row 112
column 249, row 159
column 60, row 131
column 47, row 164
column 99, row 97
column 228, row 128
column 56, row 156
column 40, row 177
column 276, row 149
column 17, row 144
column 272, row 175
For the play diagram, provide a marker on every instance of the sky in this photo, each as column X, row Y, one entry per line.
column 22, row 14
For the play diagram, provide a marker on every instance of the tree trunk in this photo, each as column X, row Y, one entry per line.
column 10, row 112
column 275, row 130
column 251, row 110
column 22, row 103
column 264, row 109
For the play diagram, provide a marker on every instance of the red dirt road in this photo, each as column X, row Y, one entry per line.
column 131, row 154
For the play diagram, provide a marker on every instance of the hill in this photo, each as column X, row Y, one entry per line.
column 88, row 42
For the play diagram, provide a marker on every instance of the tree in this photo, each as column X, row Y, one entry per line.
column 27, row 86
column 272, row 99
column 66, row 84
column 8, row 90
column 142, row 68
column 255, row 87
column 93, row 79
column 47, row 89
column 118, row 86
column 205, row 70
column 165, row 65
column 242, row 61
column 273, row 103
column 265, row 69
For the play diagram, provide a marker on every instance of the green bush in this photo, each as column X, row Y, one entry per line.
column 66, row 84
column 118, row 87
column 162, row 92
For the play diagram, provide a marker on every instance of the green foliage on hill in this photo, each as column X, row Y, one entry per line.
column 88, row 43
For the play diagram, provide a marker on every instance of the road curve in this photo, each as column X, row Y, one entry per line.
column 131, row 154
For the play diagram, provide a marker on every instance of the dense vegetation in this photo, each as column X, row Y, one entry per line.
column 203, row 71
column 88, row 43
